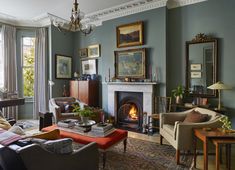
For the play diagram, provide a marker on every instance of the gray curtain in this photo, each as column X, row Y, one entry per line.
column 10, row 67
column 40, row 79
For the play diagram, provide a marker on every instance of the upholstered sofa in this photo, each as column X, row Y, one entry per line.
column 57, row 107
column 34, row 157
column 180, row 134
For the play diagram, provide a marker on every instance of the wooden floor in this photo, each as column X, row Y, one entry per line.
column 211, row 162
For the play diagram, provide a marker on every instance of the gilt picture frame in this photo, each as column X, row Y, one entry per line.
column 130, row 63
column 83, row 53
column 130, row 34
column 94, row 51
column 63, row 67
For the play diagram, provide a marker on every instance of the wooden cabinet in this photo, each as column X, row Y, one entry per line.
column 86, row 91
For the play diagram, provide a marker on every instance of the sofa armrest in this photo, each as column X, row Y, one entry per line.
column 183, row 130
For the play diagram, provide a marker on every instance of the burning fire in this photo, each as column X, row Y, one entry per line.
column 133, row 113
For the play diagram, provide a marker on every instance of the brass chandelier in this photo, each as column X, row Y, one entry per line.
column 75, row 23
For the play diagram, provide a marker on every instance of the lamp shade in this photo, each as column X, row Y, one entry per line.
column 219, row 86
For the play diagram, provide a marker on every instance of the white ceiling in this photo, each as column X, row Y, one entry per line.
column 29, row 9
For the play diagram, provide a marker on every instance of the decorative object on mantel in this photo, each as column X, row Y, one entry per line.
column 75, row 23
column 178, row 93
column 130, row 63
column 201, row 38
column 130, row 34
column 219, row 86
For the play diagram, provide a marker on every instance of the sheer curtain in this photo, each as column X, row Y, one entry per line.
column 10, row 67
column 40, row 79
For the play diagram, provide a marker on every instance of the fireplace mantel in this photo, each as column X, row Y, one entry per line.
column 147, row 88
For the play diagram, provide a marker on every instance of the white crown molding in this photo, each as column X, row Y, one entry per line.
column 122, row 10
column 98, row 17
column 179, row 3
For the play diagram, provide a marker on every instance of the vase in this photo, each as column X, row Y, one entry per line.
column 178, row 100
column 84, row 119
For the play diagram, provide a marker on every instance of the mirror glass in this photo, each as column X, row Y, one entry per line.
column 201, row 67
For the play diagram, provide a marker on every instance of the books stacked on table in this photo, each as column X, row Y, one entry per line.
column 82, row 129
column 102, row 129
column 67, row 123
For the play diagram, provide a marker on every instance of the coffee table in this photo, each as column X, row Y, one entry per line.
column 104, row 143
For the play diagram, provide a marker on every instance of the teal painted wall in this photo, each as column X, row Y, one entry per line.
column 59, row 43
column 154, row 41
column 213, row 17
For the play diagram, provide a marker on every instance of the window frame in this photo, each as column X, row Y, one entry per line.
column 28, row 98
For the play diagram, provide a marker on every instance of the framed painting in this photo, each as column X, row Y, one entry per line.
column 130, row 34
column 196, row 75
column 82, row 53
column 130, row 63
column 63, row 67
column 94, row 50
column 197, row 67
column 89, row 66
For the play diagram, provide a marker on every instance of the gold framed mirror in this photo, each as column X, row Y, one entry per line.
column 201, row 65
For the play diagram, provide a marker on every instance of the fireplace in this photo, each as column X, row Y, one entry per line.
column 129, row 113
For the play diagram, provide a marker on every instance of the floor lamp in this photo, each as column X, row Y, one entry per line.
column 219, row 86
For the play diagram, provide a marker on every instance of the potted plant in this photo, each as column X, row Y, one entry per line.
column 227, row 126
column 178, row 93
column 85, row 114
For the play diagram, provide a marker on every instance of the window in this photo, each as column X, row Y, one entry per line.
column 28, row 55
column 1, row 63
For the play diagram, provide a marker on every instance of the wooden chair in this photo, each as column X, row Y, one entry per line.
column 161, row 105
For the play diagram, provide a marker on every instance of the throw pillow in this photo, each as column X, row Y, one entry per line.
column 196, row 117
column 59, row 146
column 4, row 124
column 69, row 107
column 54, row 134
column 17, row 130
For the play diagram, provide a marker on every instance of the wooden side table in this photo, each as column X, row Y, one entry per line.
column 227, row 142
column 205, row 136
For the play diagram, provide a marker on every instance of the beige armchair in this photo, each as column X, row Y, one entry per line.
column 180, row 134
column 56, row 107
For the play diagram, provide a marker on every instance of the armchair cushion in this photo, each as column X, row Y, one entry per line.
column 196, row 117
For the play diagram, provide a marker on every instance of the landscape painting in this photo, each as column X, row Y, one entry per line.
column 130, row 63
column 130, row 35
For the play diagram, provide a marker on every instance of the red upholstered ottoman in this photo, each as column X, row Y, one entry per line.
column 104, row 143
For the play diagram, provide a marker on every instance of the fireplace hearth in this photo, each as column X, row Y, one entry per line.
column 130, row 110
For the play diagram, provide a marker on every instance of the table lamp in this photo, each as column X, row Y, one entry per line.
column 219, row 86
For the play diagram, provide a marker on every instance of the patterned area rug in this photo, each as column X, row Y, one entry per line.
column 144, row 155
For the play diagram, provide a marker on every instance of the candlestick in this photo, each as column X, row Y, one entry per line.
column 150, row 73
column 109, row 74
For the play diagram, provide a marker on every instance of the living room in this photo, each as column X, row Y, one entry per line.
column 164, row 26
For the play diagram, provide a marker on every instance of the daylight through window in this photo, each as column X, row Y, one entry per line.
column 28, row 55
